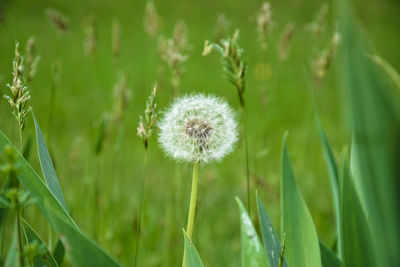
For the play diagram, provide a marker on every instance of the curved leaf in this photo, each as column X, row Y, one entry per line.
column 47, row 166
column 328, row 257
column 253, row 254
column 192, row 258
column 271, row 240
column 302, row 249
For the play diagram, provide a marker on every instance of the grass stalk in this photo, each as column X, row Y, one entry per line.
column 139, row 221
column 192, row 206
column 20, row 247
column 246, row 156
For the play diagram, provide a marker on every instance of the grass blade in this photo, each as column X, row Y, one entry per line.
column 47, row 166
column 253, row 254
column 302, row 247
column 192, row 258
column 393, row 74
column 46, row 259
column 328, row 257
column 334, row 179
column 358, row 249
column 375, row 121
column 58, row 252
column 55, row 213
column 271, row 240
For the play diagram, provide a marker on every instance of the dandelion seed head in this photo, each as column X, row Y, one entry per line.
column 198, row 128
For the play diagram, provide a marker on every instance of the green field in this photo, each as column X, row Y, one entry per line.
column 102, row 187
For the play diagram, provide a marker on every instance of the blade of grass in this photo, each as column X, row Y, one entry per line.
column 192, row 258
column 271, row 241
column 58, row 252
column 302, row 247
column 328, row 257
column 47, row 165
column 44, row 260
column 12, row 254
column 55, row 213
column 358, row 248
column 375, row 121
column 253, row 254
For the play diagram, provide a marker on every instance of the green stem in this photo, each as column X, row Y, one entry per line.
column 192, row 206
column 20, row 248
column 246, row 156
column 139, row 222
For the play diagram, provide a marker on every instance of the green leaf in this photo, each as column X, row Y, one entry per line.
column 328, row 257
column 253, row 254
column 47, row 166
column 302, row 244
column 358, row 249
column 271, row 241
column 58, row 252
column 334, row 179
column 192, row 258
column 375, row 121
column 84, row 251
column 47, row 259
column 55, row 213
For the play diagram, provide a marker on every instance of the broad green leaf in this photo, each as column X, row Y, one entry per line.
column 375, row 121
column 271, row 241
column 328, row 257
column 192, row 258
column 302, row 244
column 334, row 178
column 58, row 252
column 253, row 254
column 47, row 166
column 47, row 259
column 84, row 251
column 12, row 254
column 358, row 248
column 55, row 213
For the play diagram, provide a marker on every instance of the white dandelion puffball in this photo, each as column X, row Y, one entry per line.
column 198, row 128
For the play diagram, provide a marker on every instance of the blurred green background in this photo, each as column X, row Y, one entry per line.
column 278, row 100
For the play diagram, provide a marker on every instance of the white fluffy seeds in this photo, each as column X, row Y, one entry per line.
column 198, row 128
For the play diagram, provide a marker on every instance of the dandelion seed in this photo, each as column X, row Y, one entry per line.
column 151, row 19
column 198, row 128
column 264, row 24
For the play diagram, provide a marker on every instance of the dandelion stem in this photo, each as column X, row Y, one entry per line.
column 246, row 155
column 192, row 206
column 139, row 222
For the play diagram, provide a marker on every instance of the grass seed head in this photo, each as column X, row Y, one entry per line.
column 59, row 20
column 122, row 96
column 20, row 94
column 221, row 29
column 90, row 42
column 198, row 128
column 147, row 123
column 284, row 44
column 321, row 63
column 116, row 38
column 264, row 23
column 317, row 26
column 151, row 20
column 32, row 60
